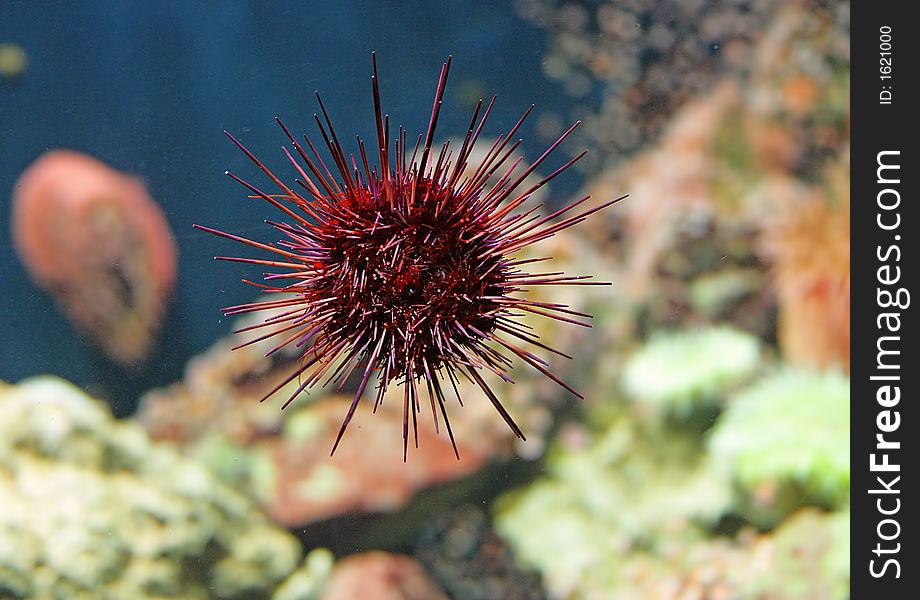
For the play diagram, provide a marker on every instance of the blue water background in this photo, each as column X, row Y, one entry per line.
column 148, row 87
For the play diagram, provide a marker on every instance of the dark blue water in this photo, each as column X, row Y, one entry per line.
column 148, row 88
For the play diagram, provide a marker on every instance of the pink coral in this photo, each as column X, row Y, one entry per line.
column 96, row 241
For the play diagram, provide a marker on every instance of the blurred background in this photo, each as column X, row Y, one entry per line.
column 710, row 458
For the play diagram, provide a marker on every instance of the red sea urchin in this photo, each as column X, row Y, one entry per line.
column 408, row 270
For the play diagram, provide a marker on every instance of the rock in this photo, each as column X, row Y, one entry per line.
column 470, row 561
column 380, row 576
column 298, row 482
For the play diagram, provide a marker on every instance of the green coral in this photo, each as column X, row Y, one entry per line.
column 91, row 508
column 631, row 519
column 636, row 505
column 678, row 371
column 786, row 442
column 627, row 490
column 307, row 583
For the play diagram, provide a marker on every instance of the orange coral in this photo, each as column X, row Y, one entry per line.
column 809, row 244
column 95, row 240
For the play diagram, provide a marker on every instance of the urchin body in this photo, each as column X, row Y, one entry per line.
column 407, row 269
column 419, row 275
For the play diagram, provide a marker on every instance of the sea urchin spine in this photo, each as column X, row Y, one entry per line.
column 407, row 269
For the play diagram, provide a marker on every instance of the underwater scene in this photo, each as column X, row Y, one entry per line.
column 530, row 299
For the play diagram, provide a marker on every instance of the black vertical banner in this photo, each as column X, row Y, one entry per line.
column 884, row 371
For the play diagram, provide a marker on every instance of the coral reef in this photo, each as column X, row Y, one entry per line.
column 709, row 459
column 736, row 223
column 90, row 508
column 95, row 239
column 786, row 442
